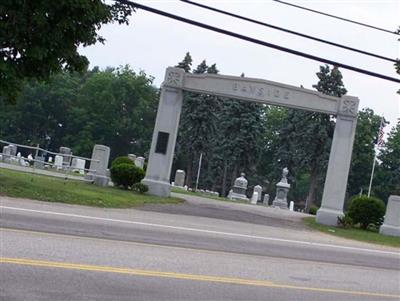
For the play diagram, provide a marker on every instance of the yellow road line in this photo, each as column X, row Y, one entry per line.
column 160, row 246
column 149, row 273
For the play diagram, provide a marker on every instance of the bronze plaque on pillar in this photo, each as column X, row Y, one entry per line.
column 162, row 143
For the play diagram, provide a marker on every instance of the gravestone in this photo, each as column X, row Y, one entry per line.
column 254, row 198
column 6, row 154
column 58, row 162
column 39, row 162
column 258, row 189
column 266, row 199
column 13, row 149
column 391, row 225
column 139, row 162
column 98, row 165
column 132, row 157
column 67, row 155
column 78, row 165
column 282, row 189
column 239, row 189
column 180, row 178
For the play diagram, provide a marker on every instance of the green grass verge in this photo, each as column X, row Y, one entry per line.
column 354, row 233
column 51, row 189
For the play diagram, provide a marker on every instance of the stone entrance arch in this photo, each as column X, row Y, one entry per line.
column 262, row 91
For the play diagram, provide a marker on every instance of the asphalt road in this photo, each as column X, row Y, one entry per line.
column 63, row 252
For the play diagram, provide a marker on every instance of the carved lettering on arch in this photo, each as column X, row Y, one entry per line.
column 260, row 91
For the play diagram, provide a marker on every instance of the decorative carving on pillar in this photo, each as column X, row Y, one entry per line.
column 348, row 106
column 174, row 78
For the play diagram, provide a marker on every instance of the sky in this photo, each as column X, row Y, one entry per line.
column 152, row 43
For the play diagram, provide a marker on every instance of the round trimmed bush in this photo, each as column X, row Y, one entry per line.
column 122, row 159
column 125, row 174
column 366, row 211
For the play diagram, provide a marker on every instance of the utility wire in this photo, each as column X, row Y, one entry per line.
column 336, row 17
column 259, row 42
column 288, row 30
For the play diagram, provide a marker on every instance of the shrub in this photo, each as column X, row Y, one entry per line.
column 120, row 160
column 345, row 221
column 126, row 174
column 140, row 188
column 313, row 210
column 366, row 210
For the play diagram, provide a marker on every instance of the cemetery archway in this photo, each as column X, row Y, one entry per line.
column 261, row 91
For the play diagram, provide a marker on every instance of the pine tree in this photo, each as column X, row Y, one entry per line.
column 186, row 63
column 237, row 145
column 306, row 136
column 198, row 123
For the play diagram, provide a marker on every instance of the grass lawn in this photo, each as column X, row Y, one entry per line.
column 354, row 233
column 51, row 189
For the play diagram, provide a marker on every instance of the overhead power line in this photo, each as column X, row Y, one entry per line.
column 259, row 42
column 337, row 17
column 288, row 31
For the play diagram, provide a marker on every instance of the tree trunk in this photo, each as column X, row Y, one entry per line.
column 223, row 190
column 234, row 174
column 312, row 189
column 189, row 170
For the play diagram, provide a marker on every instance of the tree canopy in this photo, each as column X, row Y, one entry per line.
column 115, row 107
column 39, row 38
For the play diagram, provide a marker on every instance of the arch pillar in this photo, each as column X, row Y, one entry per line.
column 165, row 133
column 339, row 162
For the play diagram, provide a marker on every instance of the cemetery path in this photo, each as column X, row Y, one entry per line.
column 54, row 251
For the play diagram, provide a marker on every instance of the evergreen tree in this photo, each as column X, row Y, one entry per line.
column 306, row 136
column 186, row 63
column 198, row 122
column 237, row 146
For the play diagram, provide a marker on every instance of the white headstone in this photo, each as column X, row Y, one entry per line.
column 78, row 165
column 254, row 198
column 180, row 178
column 6, row 150
column 58, row 162
column 391, row 225
column 6, row 154
column 50, row 159
column 291, row 206
column 266, row 199
column 132, row 157
column 258, row 189
column 139, row 162
column 99, row 164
